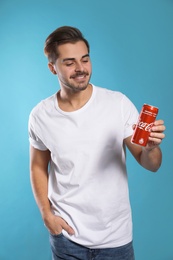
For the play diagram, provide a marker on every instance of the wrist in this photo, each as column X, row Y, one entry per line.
column 46, row 214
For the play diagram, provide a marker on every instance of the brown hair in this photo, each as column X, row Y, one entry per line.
column 62, row 35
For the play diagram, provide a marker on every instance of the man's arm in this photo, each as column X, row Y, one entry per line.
column 150, row 157
column 39, row 161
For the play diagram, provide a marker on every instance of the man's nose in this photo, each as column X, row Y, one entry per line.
column 79, row 67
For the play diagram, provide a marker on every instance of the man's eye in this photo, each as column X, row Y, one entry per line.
column 69, row 64
column 85, row 61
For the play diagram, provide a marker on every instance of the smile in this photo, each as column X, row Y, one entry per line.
column 79, row 76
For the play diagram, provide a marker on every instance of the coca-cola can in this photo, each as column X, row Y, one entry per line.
column 145, row 122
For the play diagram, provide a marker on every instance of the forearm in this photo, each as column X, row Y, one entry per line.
column 39, row 183
column 151, row 159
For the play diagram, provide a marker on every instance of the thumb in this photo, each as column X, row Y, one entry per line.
column 134, row 126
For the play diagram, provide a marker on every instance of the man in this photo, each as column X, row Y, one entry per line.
column 78, row 172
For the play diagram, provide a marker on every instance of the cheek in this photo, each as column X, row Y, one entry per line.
column 89, row 67
column 63, row 73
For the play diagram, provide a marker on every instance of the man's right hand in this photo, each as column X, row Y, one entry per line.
column 56, row 224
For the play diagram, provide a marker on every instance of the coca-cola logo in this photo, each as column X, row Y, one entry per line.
column 145, row 126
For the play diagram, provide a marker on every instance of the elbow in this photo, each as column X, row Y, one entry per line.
column 155, row 168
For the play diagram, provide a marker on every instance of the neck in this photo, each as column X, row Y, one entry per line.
column 70, row 101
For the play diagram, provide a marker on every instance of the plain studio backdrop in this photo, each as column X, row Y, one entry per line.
column 132, row 52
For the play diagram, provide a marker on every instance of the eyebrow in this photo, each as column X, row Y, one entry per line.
column 72, row 59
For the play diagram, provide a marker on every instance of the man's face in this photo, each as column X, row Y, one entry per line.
column 73, row 66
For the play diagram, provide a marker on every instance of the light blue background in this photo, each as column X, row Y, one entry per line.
column 132, row 51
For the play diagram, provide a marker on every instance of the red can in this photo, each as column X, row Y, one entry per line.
column 145, row 122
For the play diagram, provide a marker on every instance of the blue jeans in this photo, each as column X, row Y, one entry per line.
column 64, row 249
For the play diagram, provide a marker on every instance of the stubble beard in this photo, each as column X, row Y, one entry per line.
column 74, row 87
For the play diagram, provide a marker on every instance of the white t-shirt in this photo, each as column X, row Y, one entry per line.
column 87, row 176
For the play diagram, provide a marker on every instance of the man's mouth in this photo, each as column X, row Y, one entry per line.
column 79, row 76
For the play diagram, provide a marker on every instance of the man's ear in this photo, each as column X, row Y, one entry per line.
column 52, row 68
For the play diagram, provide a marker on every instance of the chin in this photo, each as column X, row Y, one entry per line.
column 80, row 87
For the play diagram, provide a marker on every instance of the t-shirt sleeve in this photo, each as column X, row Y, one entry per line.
column 34, row 140
column 130, row 116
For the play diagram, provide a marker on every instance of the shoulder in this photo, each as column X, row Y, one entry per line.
column 115, row 100
column 108, row 92
column 44, row 106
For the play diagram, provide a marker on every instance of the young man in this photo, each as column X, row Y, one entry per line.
column 77, row 157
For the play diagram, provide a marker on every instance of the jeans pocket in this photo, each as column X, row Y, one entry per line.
column 57, row 235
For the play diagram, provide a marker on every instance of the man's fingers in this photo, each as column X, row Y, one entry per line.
column 55, row 224
column 67, row 228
